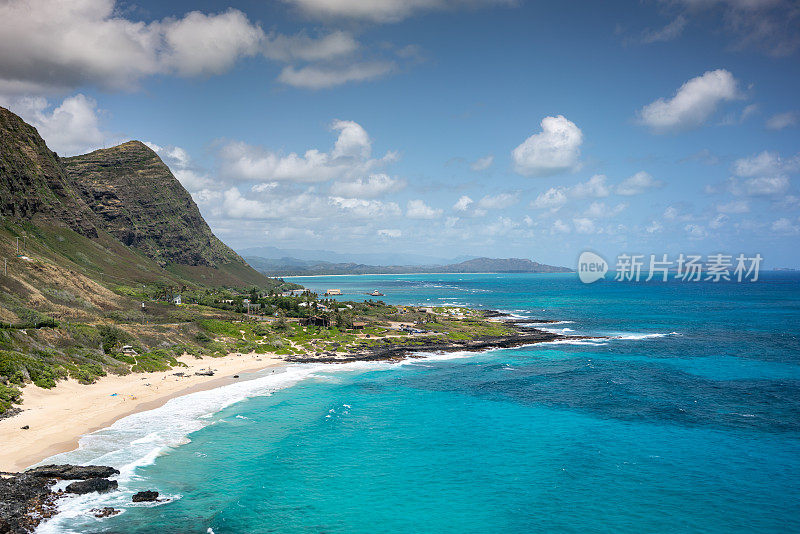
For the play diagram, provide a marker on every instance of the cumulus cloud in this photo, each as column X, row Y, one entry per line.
column 72, row 127
column 500, row 201
column 302, row 47
column 736, row 206
column 51, row 45
column 481, row 164
column 554, row 150
column 392, row 233
column 417, row 209
column 463, row 203
column 361, row 208
column 779, row 121
column 693, row 103
column 637, row 184
column 560, row 227
column 552, row 199
column 764, row 174
column 384, row 10
column 325, row 76
column 599, row 210
column 595, row 187
column 584, row 225
column 349, row 159
column 785, row 226
column 373, row 186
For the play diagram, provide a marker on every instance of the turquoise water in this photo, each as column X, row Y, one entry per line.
column 685, row 418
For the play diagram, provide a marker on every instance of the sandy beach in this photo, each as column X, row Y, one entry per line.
column 58, row 417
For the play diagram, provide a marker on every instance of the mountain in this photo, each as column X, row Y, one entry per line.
column 288, row 266
column 327, row 256
column 34, row 186
column 117, row 212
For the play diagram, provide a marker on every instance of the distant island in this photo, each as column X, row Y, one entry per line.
column 288, row 266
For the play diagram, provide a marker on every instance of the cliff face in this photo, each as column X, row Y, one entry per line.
column 33, row 183
column 139, row 201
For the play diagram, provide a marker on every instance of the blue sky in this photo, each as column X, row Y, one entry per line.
column 439, row 127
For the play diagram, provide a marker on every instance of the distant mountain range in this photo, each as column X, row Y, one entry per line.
column 293, row 255
column 289, row 266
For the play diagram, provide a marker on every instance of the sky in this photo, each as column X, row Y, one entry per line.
column 501, row 128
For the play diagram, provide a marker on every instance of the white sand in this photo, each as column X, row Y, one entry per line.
column 58, row 417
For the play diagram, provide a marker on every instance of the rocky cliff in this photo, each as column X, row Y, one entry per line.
column 141, row 203
column 34, row 186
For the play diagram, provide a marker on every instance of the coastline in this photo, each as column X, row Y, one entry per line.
column 57, row 418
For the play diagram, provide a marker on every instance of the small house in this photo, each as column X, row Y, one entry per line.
column 359, row 325
column 177, row 300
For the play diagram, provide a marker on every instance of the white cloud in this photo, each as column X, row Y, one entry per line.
column 179, row 162
column 325, row 76
column 637, row 184
column 302, row 47
column 349, row 159
column 200, row 44
column 695, row 231
column 499, row 201
column 481, row 164
column 384, row 10
column 785, row 226
column 463, row 203
column 417, row 209
column 368, row 209
column 389, row 233
column 718, row 222
column 654, row 227
column 765, row 174
column 72, row 127
column 554, row 150
column 238, row 207
column 552, row 199
column 560, row 227
column 693, row 103
column 780, row 121
column 736, row 206
column 502, row 226
column 595, row 187
column 584, row 225
column 598, row 210
column 667, row 33
column 768, row 25
column 53, row 45
column 374, row 186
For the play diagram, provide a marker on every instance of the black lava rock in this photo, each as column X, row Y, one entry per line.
column 100, row 485
column 145, row 496
column 73, row 472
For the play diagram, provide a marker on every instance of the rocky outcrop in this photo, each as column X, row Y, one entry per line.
column 34, row 186
column 91, row 485
column 145, row 496
column 27, row 498
column 141, row 203
column 73, row 472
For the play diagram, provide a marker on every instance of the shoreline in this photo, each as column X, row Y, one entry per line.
column 387, row 274
column 57, row 418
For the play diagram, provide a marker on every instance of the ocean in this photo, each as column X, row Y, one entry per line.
column 682, row 414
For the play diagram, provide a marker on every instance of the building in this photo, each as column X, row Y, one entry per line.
column 331, row 292
column 177, row 300
column 316, row 321
column 359, row 325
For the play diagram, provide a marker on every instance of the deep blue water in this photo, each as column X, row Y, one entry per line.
column 686, row 419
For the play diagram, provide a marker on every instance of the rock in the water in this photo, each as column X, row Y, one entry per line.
column 73, row 472
column 145, row 496
column 105, row 511
column 99, row 485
